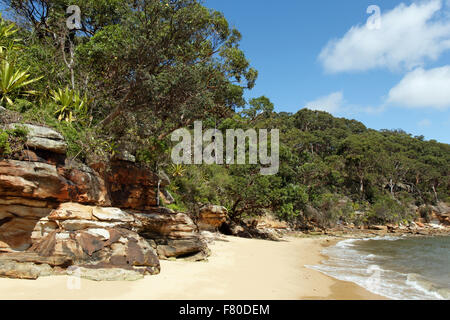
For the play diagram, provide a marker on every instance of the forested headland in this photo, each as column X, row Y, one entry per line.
column 136, row 71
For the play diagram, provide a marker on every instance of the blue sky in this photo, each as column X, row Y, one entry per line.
column 323, row 54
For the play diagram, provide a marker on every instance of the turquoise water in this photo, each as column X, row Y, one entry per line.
column 394, row 267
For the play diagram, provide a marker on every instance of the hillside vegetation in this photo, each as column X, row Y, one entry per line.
column 138, row 70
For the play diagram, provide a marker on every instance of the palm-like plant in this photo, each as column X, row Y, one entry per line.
column 178, row 170
column 7, row 41
column 13, row 82
column 70, row 104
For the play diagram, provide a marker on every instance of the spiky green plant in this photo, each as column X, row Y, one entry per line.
column 14, row 82
column 7, row 39
column 71, row 105
column 177, row 170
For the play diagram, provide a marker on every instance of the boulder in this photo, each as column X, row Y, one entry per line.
column 165, row 224
column 105, row 274
column 442, row 208
column 72, row 211
column 42, row 138
column 181, row 248
column 211, row 217
column 175, row 234
column 26, row 271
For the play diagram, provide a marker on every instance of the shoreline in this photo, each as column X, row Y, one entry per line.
column 238, row 269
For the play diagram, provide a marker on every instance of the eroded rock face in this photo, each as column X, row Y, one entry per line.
column 131, row 187
column 94, row 237
column 211, row 217
column 57, row 216
column 42, row 181
column 17, row 223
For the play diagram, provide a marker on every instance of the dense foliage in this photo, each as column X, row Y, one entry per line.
column 138, row 70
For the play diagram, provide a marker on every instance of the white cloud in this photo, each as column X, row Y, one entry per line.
column 425, row 123
column 423, row 89
column 408, row 37
column 331, row 103
column 336, row 104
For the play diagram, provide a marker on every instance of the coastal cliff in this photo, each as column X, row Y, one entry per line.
column 56, row 214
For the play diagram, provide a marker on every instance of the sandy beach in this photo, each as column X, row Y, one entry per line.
column 237, row 269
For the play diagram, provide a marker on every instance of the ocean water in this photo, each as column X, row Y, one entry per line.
column 395, row 267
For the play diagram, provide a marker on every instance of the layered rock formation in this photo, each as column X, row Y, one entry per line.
column 211, row 217
column 55, row 215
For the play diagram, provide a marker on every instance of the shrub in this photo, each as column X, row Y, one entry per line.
column 386, row 209
column 426, row 212
column 5, row 147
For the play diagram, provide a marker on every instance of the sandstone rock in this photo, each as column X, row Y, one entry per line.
column 104, row 274
column 100, row 233
column 32, row 180
column 124, row 156
column 43, row 138
column 379, row 228
column 180, row 248
column 175, row 234
column 33, row 257
column 420, row 224
column 42, row 229
column 41, row 181
column 27, row 202
column 132, row 187
column 211, row 217
column 27, row 271
column 47, row 144
column 112, row 215
column 72, row 211
column 120, row 249
column 76, row 225
column 86, row 186
column 443, row 208
column 17, row 224
column 4, row 247
column 165, row 224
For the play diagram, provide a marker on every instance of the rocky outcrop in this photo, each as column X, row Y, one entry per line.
column 86, row 236
column 211, row 217
column 42, row 181
column 442, row 213
column 58, row 217
column 42, row 138
column 250, row 231
column 129, row 185
column 174, row 234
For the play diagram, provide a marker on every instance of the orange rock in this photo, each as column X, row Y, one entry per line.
column 211, row 217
